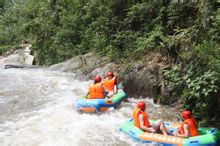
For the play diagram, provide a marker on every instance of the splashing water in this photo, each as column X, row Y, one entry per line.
column 36, row 108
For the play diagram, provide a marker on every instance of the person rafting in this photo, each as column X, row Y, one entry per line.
column 96, row 90
column 110, row 84
column 142, row 122
column 189, row 127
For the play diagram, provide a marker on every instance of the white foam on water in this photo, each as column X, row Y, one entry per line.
column 56, row 122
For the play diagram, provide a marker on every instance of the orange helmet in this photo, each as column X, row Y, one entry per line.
column 186, row 114
column 110, row 73
column 141, row 105
column 98, row 78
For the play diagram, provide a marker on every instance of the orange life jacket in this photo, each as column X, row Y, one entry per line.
column 109, row 84
column 192, row 127
column 95, row 91
column 136, row 114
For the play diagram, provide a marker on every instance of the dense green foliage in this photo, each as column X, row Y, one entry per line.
column 197, row 86
column 187, row 32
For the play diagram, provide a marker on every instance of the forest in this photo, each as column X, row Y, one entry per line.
column 187, row 32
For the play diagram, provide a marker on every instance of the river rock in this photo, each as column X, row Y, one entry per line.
column 21, row 66
column 141, row 83
column 85, row 66
column 20, row 55
column 142, row 79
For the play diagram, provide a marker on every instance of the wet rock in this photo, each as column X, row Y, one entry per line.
column 145, row 78
column 141, row 82
column 7, row 66
column 71, row 65
column 141, row 79
column 85, row 66
column 20, row 55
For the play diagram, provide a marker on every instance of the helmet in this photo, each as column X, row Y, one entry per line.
column 110, row 73
column 186, row 114
column 98, row 78
column 141, row 105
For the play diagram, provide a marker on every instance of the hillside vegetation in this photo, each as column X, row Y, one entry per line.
column 188, row 33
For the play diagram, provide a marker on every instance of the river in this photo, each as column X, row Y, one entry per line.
column 36, row 109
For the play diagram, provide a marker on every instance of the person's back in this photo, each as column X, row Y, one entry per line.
column 136, row 114
column 192, row 127
column 96, row 90
column 142, row 122
column 110, row 83
column 194, row 121
column 189, row 127
column 190, row 121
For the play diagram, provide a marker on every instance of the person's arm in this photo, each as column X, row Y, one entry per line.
column 141, row 119
column 186, row 132
column 116, row 85
column 115, row 89
column 116, row 81
column 104, row 93
column 87, row 94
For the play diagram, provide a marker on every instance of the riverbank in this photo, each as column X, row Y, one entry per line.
column 140, row 79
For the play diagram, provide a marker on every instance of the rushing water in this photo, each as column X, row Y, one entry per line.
column 36, row 108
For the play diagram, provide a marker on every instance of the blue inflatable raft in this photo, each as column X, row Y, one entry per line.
column 99, row 105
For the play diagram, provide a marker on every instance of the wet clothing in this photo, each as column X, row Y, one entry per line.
column 110, row 84
column 192, row 127
column 136, row 114
column 96, row 91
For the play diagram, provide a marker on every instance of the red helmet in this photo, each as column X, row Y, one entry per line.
column 141, row 105
column 98, row 78
column 110, row 73
column 186, row 114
